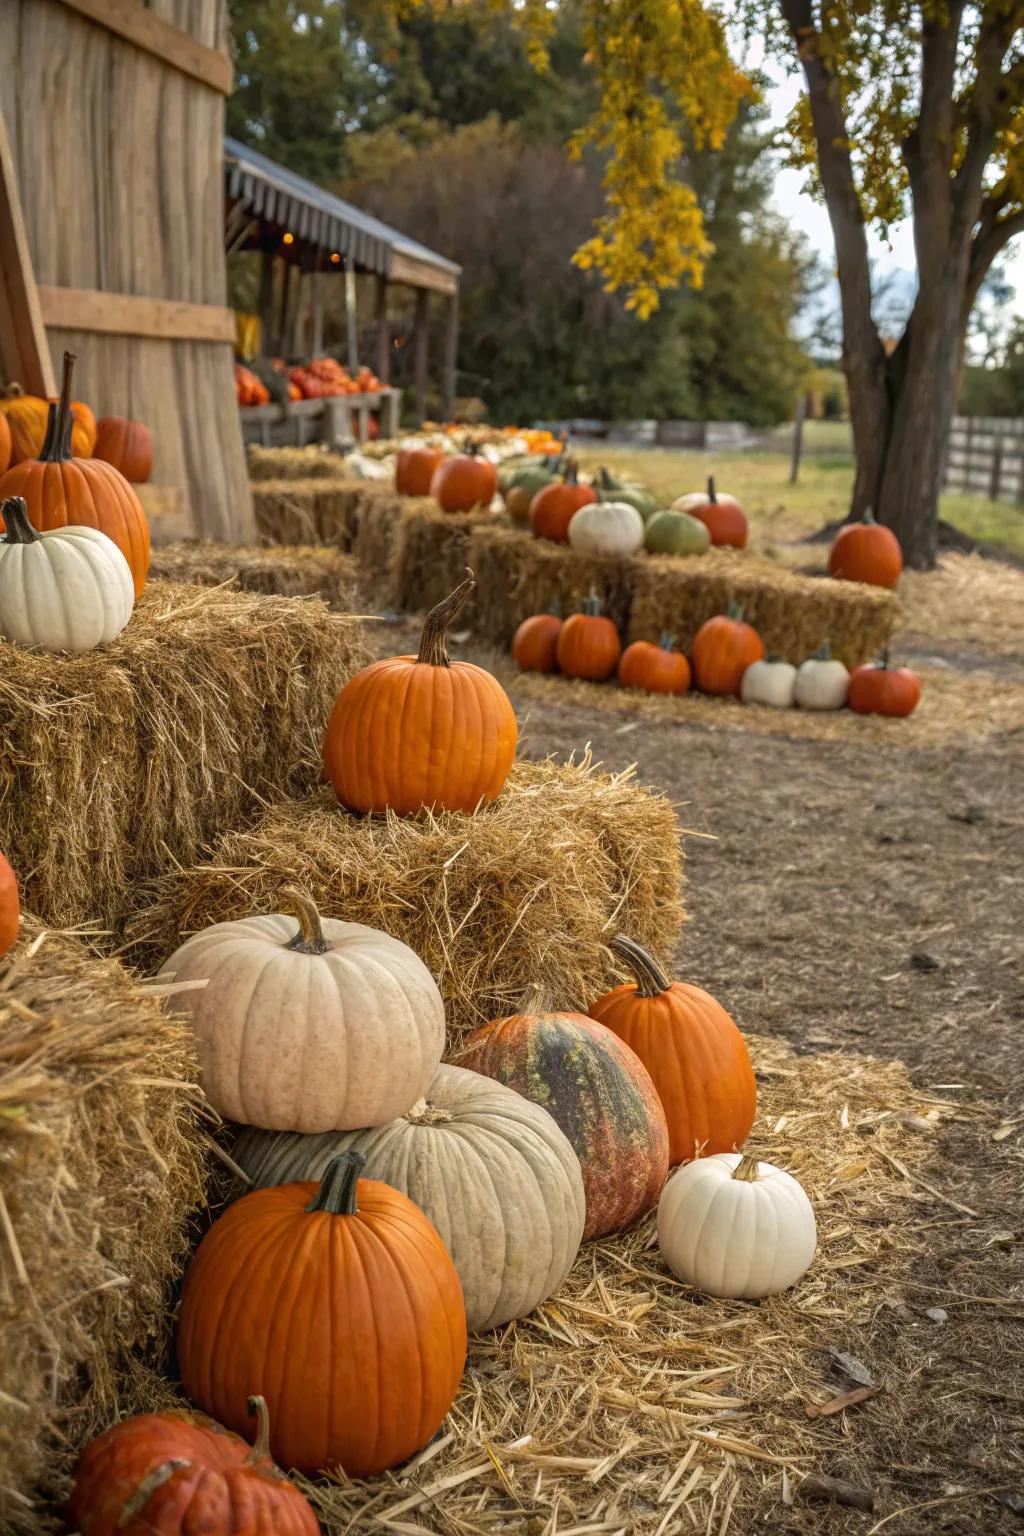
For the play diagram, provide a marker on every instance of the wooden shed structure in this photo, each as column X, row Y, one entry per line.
column 309, row 237
column 112, row 233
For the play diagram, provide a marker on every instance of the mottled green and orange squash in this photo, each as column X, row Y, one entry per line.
column 695, row 1055
column 599, row 1093
column 421, row 731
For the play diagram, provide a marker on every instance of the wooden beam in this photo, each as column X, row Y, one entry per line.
column 266, row 302
column 24, row 350
column 281, row 333
column 125, row 314
column 136, row 24
column 351, row 319
column 451, row 354
column 317, row 284
column 416, row 273
column 383, row 333
column 421, row 339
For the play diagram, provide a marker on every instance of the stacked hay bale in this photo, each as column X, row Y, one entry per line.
column 518, row 574
column 101, row 1162
column 316, row 462
column 281, row 570
column 210, row 703
column 314, row 511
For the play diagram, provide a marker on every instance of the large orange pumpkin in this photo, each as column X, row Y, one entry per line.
column 598, row 1092
column 884, row 690
column 62, row 492
column 463, row 482
column 589, row 645
column 655, row 668
column 127, row 445
column 5, row 443
column 415, row 469
column 27, row 417
column 179, row 1473
column 554, row 506
column 723, row 648
column 535, row 643
column 867, row 552
column 10, row 906
column 416, row 731
column 339, row 1304
column 696, row 1056
column 723, row 516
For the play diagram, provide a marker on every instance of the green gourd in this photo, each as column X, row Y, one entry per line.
column 676, row 533
column 610, row 489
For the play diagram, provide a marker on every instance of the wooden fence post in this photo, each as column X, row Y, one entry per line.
column 798, row 439
column 997, row 471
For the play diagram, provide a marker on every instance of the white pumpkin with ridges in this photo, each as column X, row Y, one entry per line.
column 494, row 1173
column 821, row 682
column 734, row 1227
column 770, row 681
column 70, row 589
column 607, row 528
column 331, row 1028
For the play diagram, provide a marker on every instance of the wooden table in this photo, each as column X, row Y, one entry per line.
column 332, row 420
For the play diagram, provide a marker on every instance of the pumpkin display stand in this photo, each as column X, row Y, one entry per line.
column 102, row 1158
column 208, row 705
column 532, row 885
column 283, row 570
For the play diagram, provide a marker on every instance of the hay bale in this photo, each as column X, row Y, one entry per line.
column 101, row 1161
column 530, row 887
column 306, row 511
column 432, row 551
column 793, row 613
column 378, row 515
column 518, row 574
column 317, row 462
column 209, row 704
column 282, row 570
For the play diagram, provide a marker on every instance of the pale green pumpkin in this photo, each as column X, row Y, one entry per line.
column 676, row 533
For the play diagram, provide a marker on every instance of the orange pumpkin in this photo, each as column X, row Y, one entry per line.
column 535, row 643
column 10, row 906
column 655, row 668
column 696, row 1056
column 60, row 491
column 340, row 1305
column 554, row 506
column 415, row 469
column 415, row 731
column 174, row 1473
column 867, row 552
column 463, row 482
column 723, row 516
column 127, row 445
column 27, row 417
column 84, row 430
column 884, row 690
column 5, row 443
column 589, row 645
column 723, row 648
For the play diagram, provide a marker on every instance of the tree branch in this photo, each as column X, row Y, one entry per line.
column 992, row 237
column 981, row 119
column 928, row 148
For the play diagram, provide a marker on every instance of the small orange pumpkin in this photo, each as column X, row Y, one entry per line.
column 416, row 731
column 535, row 643
column 5, row 443
column 867, row 552
column 127, row 445
column 62, row 492
column 28, row 416
column 169, row 1474
column 10, row 906
column 463, row 482
column 655, row 668
column 554, row 506
column 696, row 1056
column 589, row 645
column 723, row 516
column 415, row 469
column 883, row 690
column 723, row 648
column 337, row 1302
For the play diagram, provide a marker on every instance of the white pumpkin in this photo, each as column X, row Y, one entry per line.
column 769, row 682
column 607, row 528
column 494, row 1173
column 330, row 1028
column 67, row 590
column 821, row 682
column 734, row 1227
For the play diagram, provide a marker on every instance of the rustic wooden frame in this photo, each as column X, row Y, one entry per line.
column 141, row 27
column 124, row 314
column 24, row 350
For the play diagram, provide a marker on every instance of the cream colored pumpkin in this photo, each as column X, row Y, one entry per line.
column 495, row 1175
column 67, row 590
column 332, row 1027
column 607, row 528
column 734, row 1227
column 821, row 682
column 769, row 682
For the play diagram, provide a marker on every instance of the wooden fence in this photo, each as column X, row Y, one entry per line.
column 986, row 457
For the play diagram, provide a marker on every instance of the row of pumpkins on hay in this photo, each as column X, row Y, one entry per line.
column 399, row 1202
column 616, row 520
column 727, row 657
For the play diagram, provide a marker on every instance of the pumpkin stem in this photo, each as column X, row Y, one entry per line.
column 571, row 473
column 424, row 1113
column 534, row 1000
column 13, row 391
column 433, row 651
column 884, row 663
column 337, row 1192
column 824, row 652
column 14, row 512
column 256, row 1407
column 869, row 516
column 711, row 489
column 651, row 980
column 310, row 938
column 668, row 640
column 746, row 1169
column 57, row 447
column 735, row 612
column 592, row 605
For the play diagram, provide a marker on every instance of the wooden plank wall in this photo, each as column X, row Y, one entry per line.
column 119, row 158
column 985, row 457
